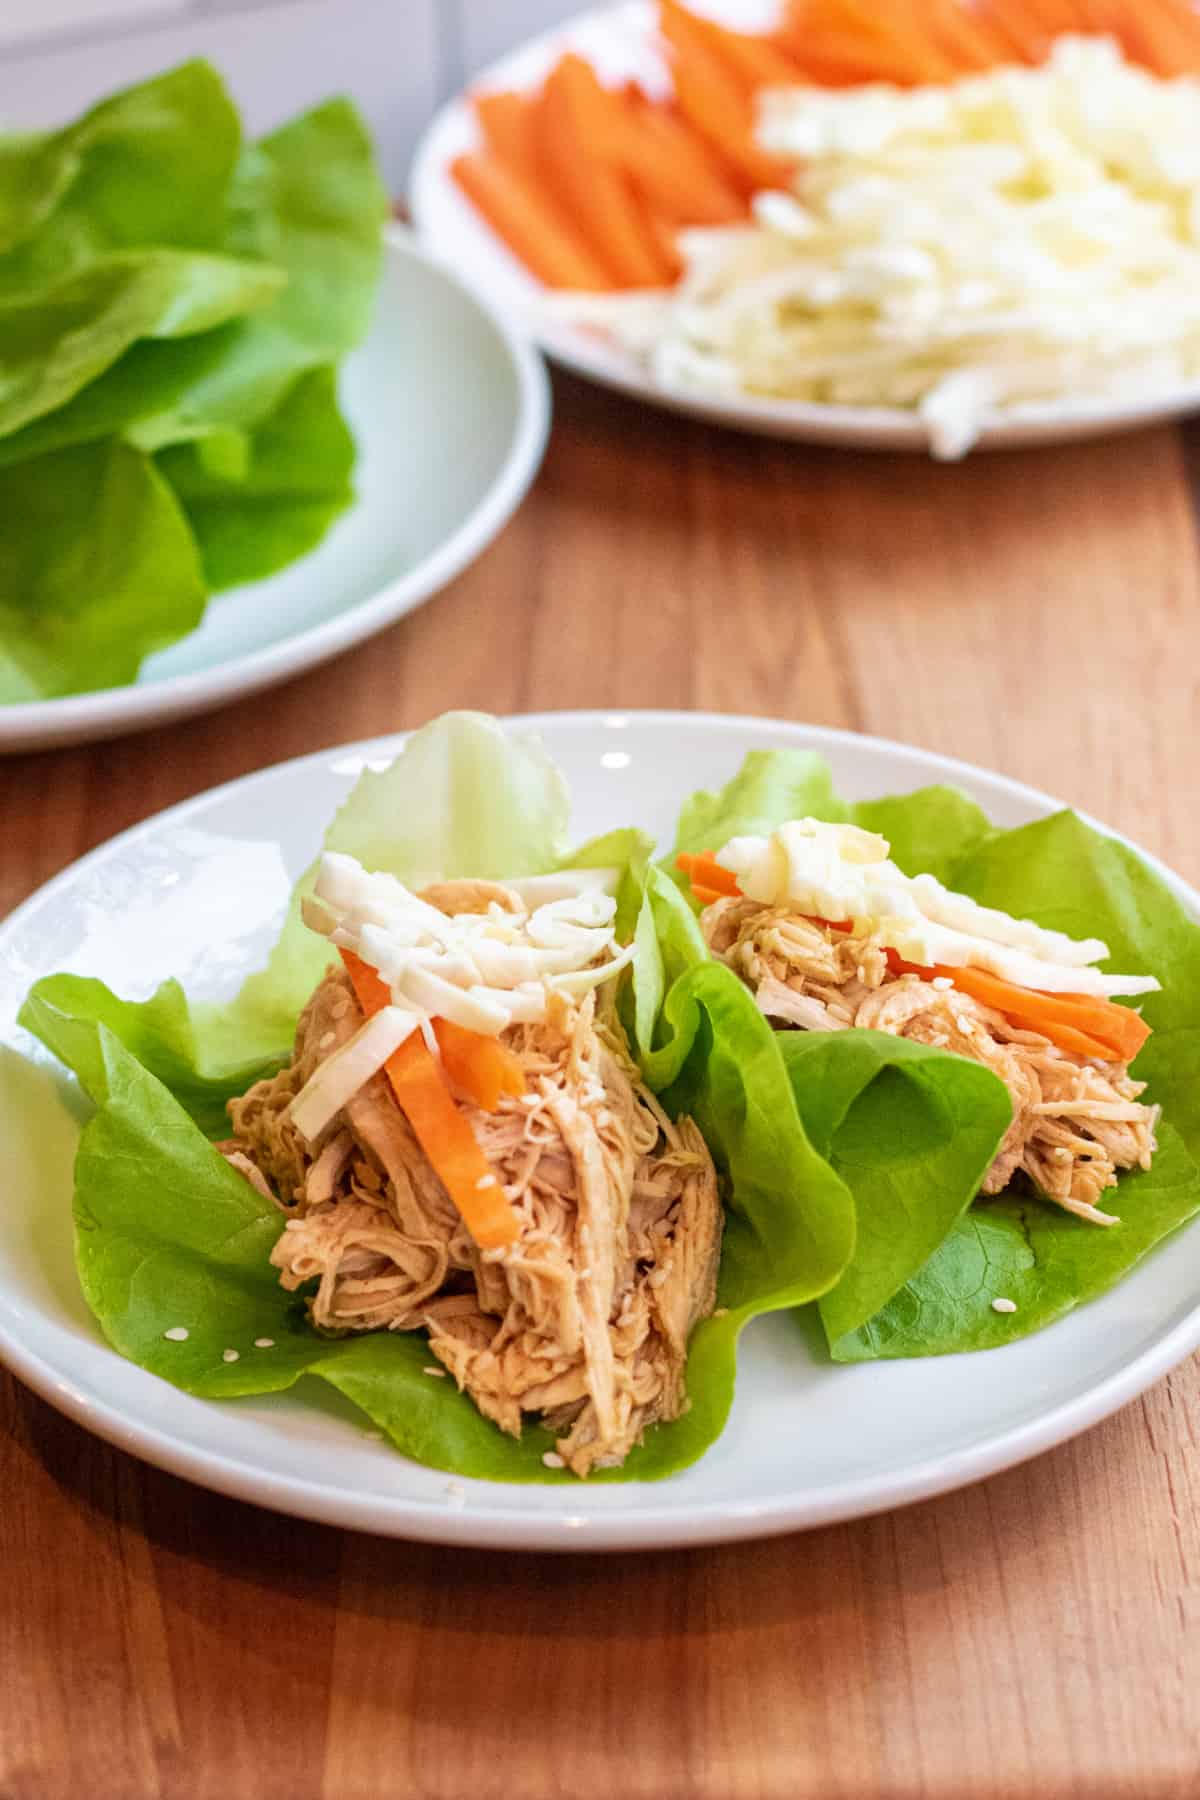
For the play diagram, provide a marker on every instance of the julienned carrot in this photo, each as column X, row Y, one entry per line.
column 506, row 120
column 443, row 1132
column 674, row 170
column 370, row 989
column 483, row 1067
column 706, row 871
column 592, row 192
column 752, row 61
column 1169, row 35
column 1028, row 36
column 711, row 101
column 965, row 35
column 522, row 215
column 445, row 1135
column 705, row 896
column 1077, row 1022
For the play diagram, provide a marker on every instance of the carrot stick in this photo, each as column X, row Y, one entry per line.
column 443, row 1132
column 483, row 1067
column 674, row 170
column 1167, row 34
column 445, row 1135
column 707, row 871
column 589, row 190
column 965, row 35
column 506, row 120
column 753, row 62
column 705, row 896
column 1027, row 37
column 710, row 99
column 1081, row 1023
column 523, row 216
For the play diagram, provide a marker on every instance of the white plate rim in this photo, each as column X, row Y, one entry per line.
column 865, row 427
column 75, row 718
column 650, row 1527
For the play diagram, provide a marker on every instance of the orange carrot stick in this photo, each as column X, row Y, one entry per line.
column 966, row 36
column 673, row 169
column 707, row 871
column 587, row 187
column 482, row 1066
column 527, row 221
column 753, row 62
column 711, row 101
column 1077, row 1022
column 506, row 120
column 442, row 1131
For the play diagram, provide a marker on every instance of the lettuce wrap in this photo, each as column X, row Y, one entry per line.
column 911, row 1129
column 167, row 1231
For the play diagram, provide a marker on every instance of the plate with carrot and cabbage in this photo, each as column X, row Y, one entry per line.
column 506, row 1183
column 955, row 223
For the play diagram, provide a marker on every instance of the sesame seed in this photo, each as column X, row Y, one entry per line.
column 553, row 1460
column 178, row 1334
column 229, row 1356
column 430, row 1370
column 264, row 1343
column 294, row 1225
column 1004, row 1306
column 456, row 1496
column 941, row 983
column 485, row 1181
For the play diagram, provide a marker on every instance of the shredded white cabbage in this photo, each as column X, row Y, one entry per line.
column 844, row 874
column 1019, row 237
column 481, row 970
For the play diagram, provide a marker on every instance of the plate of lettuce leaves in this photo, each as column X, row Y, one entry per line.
column 244, row 422
column 601, row 1130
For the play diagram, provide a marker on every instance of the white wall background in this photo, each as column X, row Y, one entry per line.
column 397, row 57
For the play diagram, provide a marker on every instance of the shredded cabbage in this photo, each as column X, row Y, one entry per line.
column 1020, row 237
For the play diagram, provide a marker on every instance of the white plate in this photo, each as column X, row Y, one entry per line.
column 617, row 39
column 807, row 1442
column 450, row 408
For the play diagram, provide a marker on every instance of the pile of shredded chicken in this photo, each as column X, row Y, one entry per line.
column 585, row 1319
column 1076, row 1122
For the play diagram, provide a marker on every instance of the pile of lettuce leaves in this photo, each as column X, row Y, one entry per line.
column 851, row 1161
column 174, row 303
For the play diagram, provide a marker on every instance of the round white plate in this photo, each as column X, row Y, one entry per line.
column 198, row 891
column 450, row 408
column 618, row 41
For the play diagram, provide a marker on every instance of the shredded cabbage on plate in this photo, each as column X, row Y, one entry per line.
column 1021, row 237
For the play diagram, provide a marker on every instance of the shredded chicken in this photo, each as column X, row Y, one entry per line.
column 1076, row 1123
column 585, row 1319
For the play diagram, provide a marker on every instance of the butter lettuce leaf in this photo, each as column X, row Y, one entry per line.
column 98, row 567
column 167, row 287
column 291, row 476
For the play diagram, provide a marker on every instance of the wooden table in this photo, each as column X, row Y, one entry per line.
column 1036, row 1634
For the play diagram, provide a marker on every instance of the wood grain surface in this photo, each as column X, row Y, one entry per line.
column 1036, row 1634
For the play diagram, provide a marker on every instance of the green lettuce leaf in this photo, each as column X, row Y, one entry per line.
column 290, row 480
column 97, row 569
column 53, row 344
column 929, row 830
column 911, row 1135
column 165, row 284
column 148, row 167
column 912, row 1132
